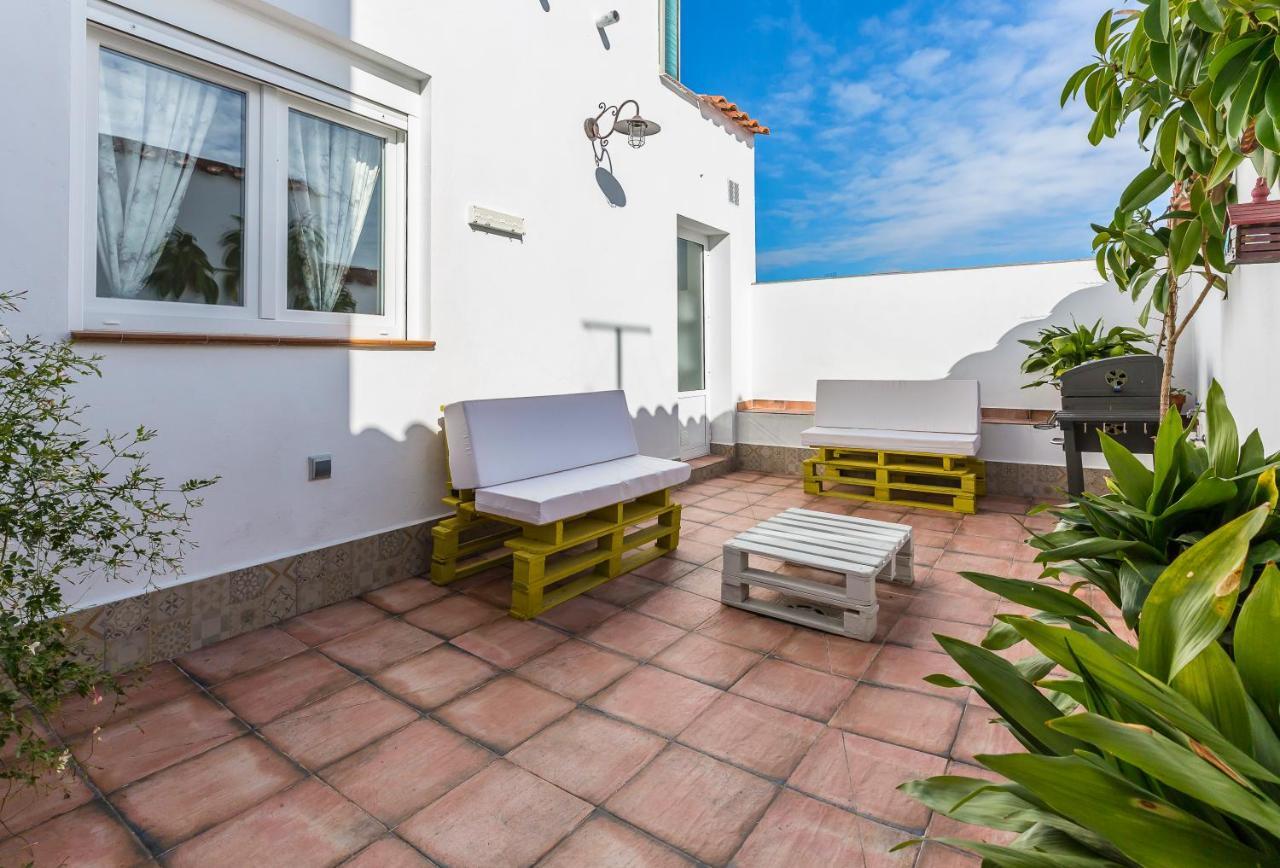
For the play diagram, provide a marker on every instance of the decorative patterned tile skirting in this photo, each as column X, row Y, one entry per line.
column 164, row 623
column 1038, row 481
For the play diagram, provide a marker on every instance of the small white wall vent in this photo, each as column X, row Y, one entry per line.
column 488, row 220
column 733, row 191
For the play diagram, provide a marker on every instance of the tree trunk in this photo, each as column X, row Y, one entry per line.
column 1170, row 345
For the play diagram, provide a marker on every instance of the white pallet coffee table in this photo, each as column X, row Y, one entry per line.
column 860, row 549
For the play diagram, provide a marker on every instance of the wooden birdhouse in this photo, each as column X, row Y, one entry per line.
column 1255, row 228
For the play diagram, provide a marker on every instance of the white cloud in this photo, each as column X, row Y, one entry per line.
column 948, row 154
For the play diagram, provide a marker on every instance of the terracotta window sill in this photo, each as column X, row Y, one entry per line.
column 990, row 415
column 107, row 337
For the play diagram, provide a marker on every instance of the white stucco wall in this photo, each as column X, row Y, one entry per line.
column 509, row 85
column 962, row 324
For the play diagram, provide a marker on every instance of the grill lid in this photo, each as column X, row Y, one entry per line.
column 1119, row 378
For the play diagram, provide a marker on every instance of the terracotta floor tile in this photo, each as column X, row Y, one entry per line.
column 764, row 739
column 327, row 730
column 264, row 694
column 389, row 852
column 453, row 615
column 694, row 516
column 507, row 643
column 160, row 683
column 826, row 652
column 375, row 648
column 626, row 589
column 408, row 769
column 737, row 522
column 716, row 536
column 699, row 804
column 656, row 699
column 399, row 597
column 155, row 739
column 496, row 592
column 746, row 630
column 604, row 843
column 897, row 666
column 579, row 614
column 502, row 816
column 678, row 607
column 664, row 570
column 634, row 635
column 576, row 670
column 926, row 723
column 25, row 805
column 979, row 735
column 932, row 603
column 797, row 830
column 704, row 659
column 504, row 712
column 995, row 526
column 704, row 581
column 321, row 625
column 231, row 657
column 308, row 824
column 948, row 581
column 588, row 754
column 1004, row 549
column 694, row 552
column 863, row 775
column 434, row 678
column 721, row 505
column 917, row 632
column 186, row 799
column 795, row 688
column 88, row 837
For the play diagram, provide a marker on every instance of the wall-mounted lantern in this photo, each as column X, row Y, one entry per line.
column 635, row 128
column 1255, row 228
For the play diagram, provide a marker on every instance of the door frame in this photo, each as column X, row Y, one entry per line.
column 704, row 448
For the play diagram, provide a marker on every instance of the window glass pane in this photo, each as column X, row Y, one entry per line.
column 170, row 184
column 689, row 315
column 335, row 217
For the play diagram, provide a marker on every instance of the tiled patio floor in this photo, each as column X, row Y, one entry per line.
column 644, row 724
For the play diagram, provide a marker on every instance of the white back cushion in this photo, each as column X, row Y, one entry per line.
column 949, row 406
column 506, row 439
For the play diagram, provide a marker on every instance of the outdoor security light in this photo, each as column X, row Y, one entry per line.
column 635, row 128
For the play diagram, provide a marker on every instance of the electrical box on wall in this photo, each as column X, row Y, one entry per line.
column 733, row 191
column 488, row 220
column 319, row 467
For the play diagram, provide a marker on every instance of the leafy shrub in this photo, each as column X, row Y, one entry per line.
column 1057, row 349
column 1167, row 753
column 74, row 507
column 1122, row 541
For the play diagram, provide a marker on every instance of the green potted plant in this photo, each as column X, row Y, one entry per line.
column 1057, row 349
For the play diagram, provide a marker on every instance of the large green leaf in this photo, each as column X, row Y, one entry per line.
column 1257, row 644
column 1089, row 548
column 1037, row 595
column 1149, row 184
column 1194, row 599
column 1013, row 857
column 1174, row 765
column 1168, row 440
column 1184, row 245
column 1023, row 707
column 1213, row 685
column 1131, row 475
column 1155, row 21
column 1207, row 15
column 1138, row 691
column 1224, row 437
column 1144, row 827
column 975, row 801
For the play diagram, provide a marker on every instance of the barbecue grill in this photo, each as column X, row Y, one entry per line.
column 1120, row 396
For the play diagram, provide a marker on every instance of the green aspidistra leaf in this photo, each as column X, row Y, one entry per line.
column 1257, row 639
column 1150, row 183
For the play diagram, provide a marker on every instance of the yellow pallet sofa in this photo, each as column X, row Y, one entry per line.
column 557, row 485
column 904, row 442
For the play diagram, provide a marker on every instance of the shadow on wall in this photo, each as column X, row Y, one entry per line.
column 658, row 431
column 999, row 368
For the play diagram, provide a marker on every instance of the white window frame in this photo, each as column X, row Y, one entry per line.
column 270, row 94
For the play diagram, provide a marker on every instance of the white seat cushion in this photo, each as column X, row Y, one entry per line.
column 947, row 406
column 555, row 496
column 501, row 440
column 883, row 440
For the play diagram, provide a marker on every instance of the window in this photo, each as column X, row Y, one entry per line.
column 225, row 203
column 670, row 40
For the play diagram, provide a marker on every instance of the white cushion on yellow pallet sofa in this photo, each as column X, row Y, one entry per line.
column 938, row 416
column 505, row 439
column 555, row 496
column 891, row 441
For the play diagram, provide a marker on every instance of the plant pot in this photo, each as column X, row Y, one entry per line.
column 1179, row 400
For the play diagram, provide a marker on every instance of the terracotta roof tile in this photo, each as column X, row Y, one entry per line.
column 736, row 114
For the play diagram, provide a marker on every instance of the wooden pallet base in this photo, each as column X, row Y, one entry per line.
column 951, row 483
column 555, row 562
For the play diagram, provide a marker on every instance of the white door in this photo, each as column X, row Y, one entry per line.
column 691, row 341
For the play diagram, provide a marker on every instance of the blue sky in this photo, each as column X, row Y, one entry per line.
column 911, row 134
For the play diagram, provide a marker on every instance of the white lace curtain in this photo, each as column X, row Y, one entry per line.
column 333, row 175
column 151, row 124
